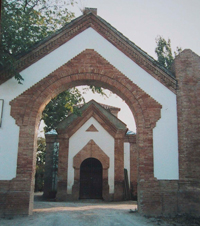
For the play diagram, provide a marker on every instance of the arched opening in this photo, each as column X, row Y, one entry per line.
column 91, row 179
column 145, row 109
column 52, row 141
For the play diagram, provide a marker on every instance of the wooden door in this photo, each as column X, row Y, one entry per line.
column 91, row 179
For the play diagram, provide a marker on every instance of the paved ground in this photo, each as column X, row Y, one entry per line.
column 85, row 213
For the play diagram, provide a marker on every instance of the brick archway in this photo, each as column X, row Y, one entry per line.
column 86, row 68
column 91, row 150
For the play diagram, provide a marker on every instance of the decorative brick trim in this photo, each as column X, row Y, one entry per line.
column 92, row 128
column 85, row 68
column 91, row 150
column 108, row 32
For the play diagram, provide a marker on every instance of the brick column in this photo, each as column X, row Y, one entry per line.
column 105, row 190
column 131, row 139
column 50, row 140
column 119, row 166
column 187, row 71
column 133, row 168
column 149, row 196
column 62, row 167
column 16, row 195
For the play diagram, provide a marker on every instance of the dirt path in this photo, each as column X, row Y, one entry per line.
column 84, row 214
column 80, row 213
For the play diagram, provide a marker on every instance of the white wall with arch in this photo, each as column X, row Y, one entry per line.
column 165, row 138
column 80, row 138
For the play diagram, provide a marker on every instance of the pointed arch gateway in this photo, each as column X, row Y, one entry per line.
column 86, row 68
column 91, row 151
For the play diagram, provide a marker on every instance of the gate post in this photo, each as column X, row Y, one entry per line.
column 119, row 166
column 19, row 192
column 62, row 167
column 187, row 70
column 48, row 189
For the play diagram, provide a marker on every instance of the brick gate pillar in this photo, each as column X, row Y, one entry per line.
column 119, row 166
column 148, row 186
column 18, row 193
column 133, row 167
column 48, row 189
column 62, row 167
column 187, row 71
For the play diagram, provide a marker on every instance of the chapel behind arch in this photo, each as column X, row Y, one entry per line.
column 93, row 135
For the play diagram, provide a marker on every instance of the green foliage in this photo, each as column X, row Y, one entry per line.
column 26, row 22
column 40, row 164
column 8, row 62
column 97, row 90
column 164, row 52
column 60, row 106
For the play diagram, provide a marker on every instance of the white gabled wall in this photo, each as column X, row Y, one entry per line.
column 80, row 138
column 165, row 133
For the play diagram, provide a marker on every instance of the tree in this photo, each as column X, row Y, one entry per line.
column 60, row 107
column 26, row 22
column 164, row 52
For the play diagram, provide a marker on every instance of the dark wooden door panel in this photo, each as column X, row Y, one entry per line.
column 91, row 179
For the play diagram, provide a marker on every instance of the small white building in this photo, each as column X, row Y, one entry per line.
column 88, row 169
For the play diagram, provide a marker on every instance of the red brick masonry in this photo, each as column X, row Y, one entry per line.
column 154, row 197
column 86, row 68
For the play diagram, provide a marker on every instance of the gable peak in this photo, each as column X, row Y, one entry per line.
column 90, row 10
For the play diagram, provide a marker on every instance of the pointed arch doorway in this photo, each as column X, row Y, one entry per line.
column 145, row 109
column 91, row 179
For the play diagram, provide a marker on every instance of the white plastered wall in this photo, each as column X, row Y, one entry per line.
column 165, row 139
column 80, row 138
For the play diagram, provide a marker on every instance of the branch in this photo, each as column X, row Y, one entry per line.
column 26, row 3
column 32, row 7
